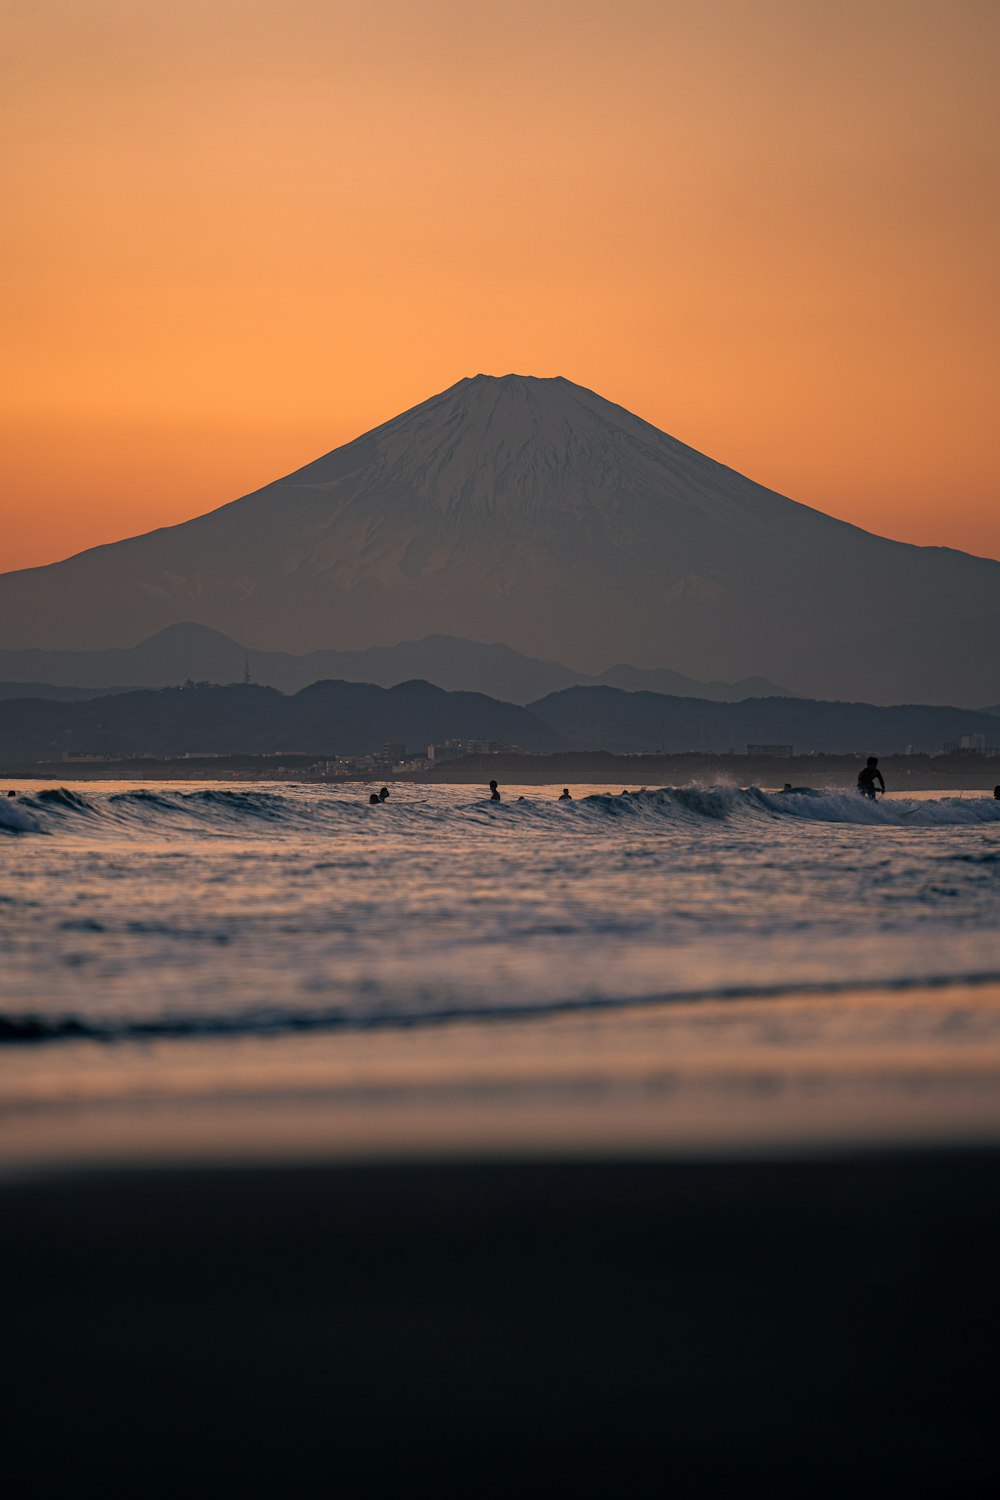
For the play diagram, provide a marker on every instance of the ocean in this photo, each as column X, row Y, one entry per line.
column 237, row 970
column 612, row 1145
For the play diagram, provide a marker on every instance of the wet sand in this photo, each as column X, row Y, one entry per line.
column 826, row 1325
column 807, row 1071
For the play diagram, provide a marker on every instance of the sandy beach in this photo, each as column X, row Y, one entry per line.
column 799, row 1073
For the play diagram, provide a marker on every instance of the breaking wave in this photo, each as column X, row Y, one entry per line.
column 234, row 812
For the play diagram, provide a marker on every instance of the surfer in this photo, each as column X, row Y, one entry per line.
column 383, row 795
column 374, row 800
column 494, row 793
column 565, row 795
column 868, row 776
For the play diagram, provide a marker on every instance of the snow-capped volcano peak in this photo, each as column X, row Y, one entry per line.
column 491, row 442
column 526, row 448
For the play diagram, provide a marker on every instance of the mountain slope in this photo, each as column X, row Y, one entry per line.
column 535, row 513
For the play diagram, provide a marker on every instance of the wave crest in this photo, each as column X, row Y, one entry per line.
column 232, row 811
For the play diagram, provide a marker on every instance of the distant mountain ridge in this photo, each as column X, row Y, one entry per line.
column 345, row 718
column 609, row 719
column 326, row 718
column 189, row 651
column 537, row 514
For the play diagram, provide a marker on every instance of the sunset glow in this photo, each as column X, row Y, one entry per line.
column 240, row 233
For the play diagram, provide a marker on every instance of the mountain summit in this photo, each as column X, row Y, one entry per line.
column 535, row 513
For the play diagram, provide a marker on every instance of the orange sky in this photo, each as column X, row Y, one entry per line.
column 239, row 232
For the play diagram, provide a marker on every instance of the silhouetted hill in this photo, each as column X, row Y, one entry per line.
column 351, row 718
column 327, row 718
column 663, row 680
column 610, row 719
column 189, row 651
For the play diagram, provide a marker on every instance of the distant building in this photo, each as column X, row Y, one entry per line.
column 972, row 744
column 449, row 750
column 489, row 747
column 393, row 751
column 84, row 758
column 782, row 752
column 455, row 749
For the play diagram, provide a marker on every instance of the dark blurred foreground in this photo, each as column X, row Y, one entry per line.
column 686, row 1329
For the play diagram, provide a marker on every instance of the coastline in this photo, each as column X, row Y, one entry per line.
column 754, row 1075
column 904, row 773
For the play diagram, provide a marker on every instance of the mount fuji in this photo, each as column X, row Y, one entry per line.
column 536, row 514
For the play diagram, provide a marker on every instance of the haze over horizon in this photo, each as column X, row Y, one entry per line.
column 243, row 234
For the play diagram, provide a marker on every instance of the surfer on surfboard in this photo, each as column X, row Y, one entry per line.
column 868, row 776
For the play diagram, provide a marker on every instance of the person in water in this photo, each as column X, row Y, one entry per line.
column 383, row 795
column 996, row 793
column 565, row 796
column 374, row 800
column 868, row 776
column 494, row 793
